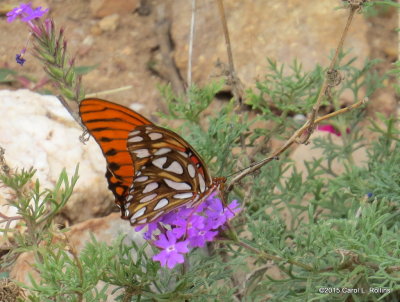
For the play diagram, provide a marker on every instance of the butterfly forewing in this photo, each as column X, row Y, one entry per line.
column 150, row 170
column 110, row 125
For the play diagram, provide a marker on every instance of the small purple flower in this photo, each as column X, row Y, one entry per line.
column 36, row 13
column 172, row 250
column 216, row 213
column 232, row 209
column 187, row 225
column 151, row 227
column 18, row 11
column 20, row 60
column 26, row 13
column 200, row 237
column 180, row 227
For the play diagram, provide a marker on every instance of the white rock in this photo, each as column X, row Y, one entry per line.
column 37, row 131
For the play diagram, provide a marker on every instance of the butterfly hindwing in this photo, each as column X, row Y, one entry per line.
column 170, row 174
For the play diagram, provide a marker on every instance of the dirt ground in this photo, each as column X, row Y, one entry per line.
column 122, row 57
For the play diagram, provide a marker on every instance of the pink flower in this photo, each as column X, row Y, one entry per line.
column 331, row 129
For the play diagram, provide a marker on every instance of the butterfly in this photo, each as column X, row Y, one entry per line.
column 150, row 170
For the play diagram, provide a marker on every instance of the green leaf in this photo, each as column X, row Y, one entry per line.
column 81, row 70
column 6, row 75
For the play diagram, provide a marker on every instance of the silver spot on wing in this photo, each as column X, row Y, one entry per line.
column 175, row 167
column 162, row 151
column 184, row 154
column 183, row 195
column 148, row 198
column 135, row 139
column 202, row 183
column 177, row 185
column 191, row 170
column 141, row 179
column 141, row 153
column 162, row 203
column 139, row 213
column 136, row 132
column 159, row 162
column 154, row 136
column 150, row 187
column 143, row 220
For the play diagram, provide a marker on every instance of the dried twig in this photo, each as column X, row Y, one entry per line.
column 233, row 79
column 4, row 167
column 191, row 39
column 288, row 143
column 330, row 77
column 72, row 112
column 303, row 134
column 171, row 72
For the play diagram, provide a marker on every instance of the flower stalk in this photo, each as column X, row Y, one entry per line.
column 50, row 48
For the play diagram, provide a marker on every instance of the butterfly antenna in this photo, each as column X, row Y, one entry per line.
column 253, row 164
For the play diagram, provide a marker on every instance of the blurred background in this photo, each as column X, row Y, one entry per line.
column 135, row 45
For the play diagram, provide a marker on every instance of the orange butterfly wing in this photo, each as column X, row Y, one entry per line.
column 110, row 125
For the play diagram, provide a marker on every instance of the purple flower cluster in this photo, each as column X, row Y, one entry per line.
column 26, row 13
column 178, row 231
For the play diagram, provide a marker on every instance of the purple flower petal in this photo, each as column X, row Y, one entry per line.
column 172, row 253
column 35, row 14
column 162, row 257
column 232, row 209
column 26, row 13
column 200, row 238
column 180, row 228
column 150, row 230
column 18, row 11
column 174, row 259
column 181, row 247
column 20, row 60
column 163, row 241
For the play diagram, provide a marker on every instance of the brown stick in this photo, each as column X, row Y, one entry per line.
column 331, row 70
column 163, row 26
column 236, row 84
column 191, row 40
column 288, row 143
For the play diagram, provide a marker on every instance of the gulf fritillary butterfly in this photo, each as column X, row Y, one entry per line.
column 151, row 170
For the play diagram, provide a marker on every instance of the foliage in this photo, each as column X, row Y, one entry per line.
column 328, row 230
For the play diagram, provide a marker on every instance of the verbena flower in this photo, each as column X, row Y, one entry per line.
column 18, row 11
column 193, row 227
column 172, row 250
column 26, row 13
column 20, row 60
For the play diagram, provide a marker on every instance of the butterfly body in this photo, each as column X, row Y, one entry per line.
column 151, row 170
